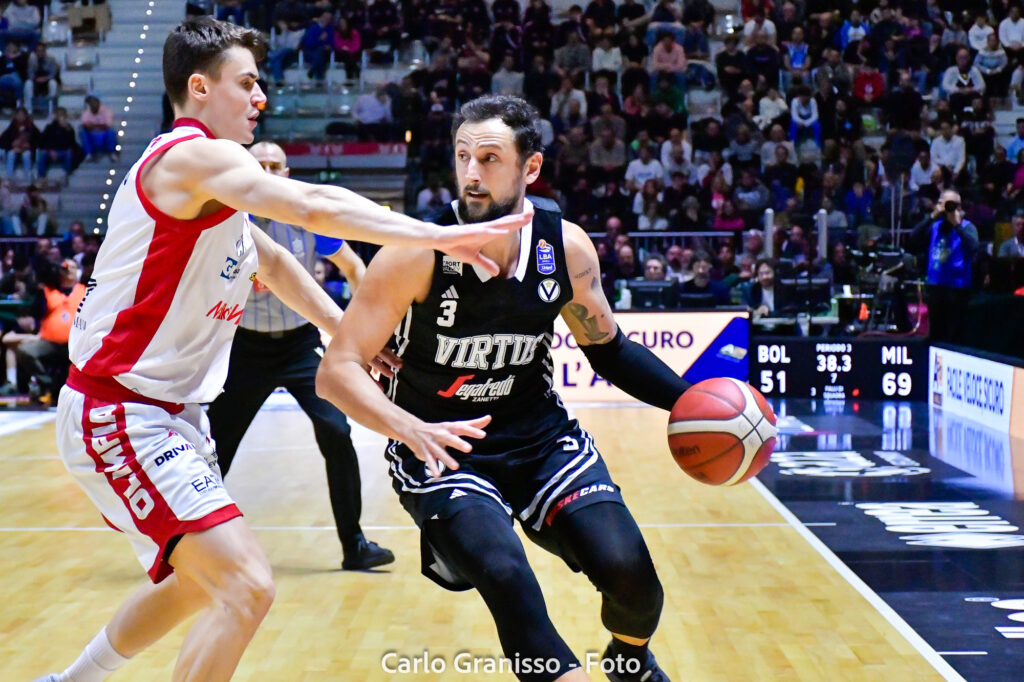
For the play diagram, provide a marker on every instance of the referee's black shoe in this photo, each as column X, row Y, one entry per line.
column 362, row 554
column 649, row 672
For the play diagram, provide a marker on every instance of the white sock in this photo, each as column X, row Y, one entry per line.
column 95, row 663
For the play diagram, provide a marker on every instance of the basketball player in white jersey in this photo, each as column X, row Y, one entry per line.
column 151, row 341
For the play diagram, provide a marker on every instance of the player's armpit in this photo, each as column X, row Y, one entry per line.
column 588, row 315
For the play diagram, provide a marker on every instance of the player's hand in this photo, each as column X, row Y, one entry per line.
column 429, row 441
column 386, row 363
column 465, row 241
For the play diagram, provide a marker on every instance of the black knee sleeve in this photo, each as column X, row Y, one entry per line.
column 481, row 545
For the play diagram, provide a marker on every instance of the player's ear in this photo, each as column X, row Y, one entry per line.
column 531, row 169
column 198, row 86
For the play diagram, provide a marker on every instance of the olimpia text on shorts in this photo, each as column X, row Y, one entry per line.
column 466, row 662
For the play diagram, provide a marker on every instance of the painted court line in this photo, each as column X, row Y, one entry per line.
column 962, row 653
column 73, row 529
column 886, row 611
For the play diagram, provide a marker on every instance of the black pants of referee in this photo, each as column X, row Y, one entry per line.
column 260, row 362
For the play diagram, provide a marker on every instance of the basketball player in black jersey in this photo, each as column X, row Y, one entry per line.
column 471, row 345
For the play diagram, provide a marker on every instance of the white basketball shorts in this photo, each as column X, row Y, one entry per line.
column 151, row 472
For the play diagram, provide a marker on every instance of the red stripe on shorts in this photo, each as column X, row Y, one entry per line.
column 107, row 443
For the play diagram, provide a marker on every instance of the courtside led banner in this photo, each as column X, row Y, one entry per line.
column 973, row 387
column 698, row 345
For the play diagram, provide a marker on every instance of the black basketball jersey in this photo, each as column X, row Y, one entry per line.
column 480, row 345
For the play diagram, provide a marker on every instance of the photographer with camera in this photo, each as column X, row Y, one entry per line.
column 951, row 243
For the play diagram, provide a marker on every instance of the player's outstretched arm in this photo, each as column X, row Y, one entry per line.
column 395, row 278
column 628, row 365
column 291, row 283
column 225, row 172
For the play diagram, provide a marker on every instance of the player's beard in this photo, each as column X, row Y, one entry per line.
column 496, row 209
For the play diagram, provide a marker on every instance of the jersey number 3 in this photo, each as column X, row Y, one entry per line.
column 447, row 316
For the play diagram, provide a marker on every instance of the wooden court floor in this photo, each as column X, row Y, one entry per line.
column 747, row 598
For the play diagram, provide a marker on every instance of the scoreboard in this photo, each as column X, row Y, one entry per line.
column 840, row 369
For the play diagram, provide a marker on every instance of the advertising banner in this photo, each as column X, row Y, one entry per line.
column 979, row 389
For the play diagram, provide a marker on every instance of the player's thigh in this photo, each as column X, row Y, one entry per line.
column 226, row 561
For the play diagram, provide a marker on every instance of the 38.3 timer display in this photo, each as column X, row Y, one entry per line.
column 839, row 370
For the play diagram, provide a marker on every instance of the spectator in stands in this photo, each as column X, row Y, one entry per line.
column 834, row 72
column 677, row 261
column 727, row 218
column 508, row 80
column 764, row 60
column 804, row 117
column 23, row 23
column 794, row 245
column 643, row 168
column 35, row 217
column 753, row 244
column 796, row 60
column 668, row 58
column 859, row 203
column 433, row 198
column 600, row 19
column 701, row 283
column 921, row 170
column 759, row 25
column 625, row 267
column 348, row 47
column 19, row 141
column 566, row 94
column 607, row 157
column 1011, row 34
column 385, row 23
column 318, row 44
column 751, row 194
column 43, row 75
column 97, row 132
column 962, row 81
column 602, row 94
column 903, row 105
column 13, row 73
column 44, row 358
column 977, row 36
column 606, row 58
column 231, row 10
column 373, row 115
column 572, row 60
column 868, row 84
column 654, row 268
column 772, row 109
column 853, row 30
column 284, row 50
column 949, row 151
column 992, row 62
column 1014, row 246
column 731, row 64
column 759, row 296
column 695, row 42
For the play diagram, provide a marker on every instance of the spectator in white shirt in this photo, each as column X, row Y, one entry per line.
column 676, row 154
column 642, row 169
column 1011, row 34
column 606, row 57
column 948, row 150
column 962, row 82
column 921, row 171
column 804, row 116
column 23, row 22
column 373, row 114
column 771, row 107
column 433, row 198
column 759, row 23
column 979, row 33
column 560, row 100
column 506, row 80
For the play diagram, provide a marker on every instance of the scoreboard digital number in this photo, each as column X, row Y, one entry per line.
column 872, row 369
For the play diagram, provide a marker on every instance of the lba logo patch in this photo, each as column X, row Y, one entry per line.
column 545, row 258
column 548, row 290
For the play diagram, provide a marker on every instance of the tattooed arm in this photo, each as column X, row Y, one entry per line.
column 588, row 314
column 626, row 364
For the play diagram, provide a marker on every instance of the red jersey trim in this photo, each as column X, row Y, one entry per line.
column 193, row 123
column 109, row 390
column 156, row 214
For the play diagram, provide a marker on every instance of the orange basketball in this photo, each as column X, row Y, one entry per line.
column 721, row 431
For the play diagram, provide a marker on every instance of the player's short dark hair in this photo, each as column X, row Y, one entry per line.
column 198, row 46
column 515, row 112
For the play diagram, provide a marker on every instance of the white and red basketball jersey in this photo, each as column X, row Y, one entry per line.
column 166, row 294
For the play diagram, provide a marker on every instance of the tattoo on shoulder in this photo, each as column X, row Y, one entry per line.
column 584, row 273
column 595, row 284
column 588, row 322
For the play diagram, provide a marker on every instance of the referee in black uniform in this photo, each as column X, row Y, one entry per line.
column 274, row 346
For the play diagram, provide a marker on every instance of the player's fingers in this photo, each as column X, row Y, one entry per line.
column 486, row 263
column 431, row 463
column 447, row 459
column 391, row 357
column 382, row 367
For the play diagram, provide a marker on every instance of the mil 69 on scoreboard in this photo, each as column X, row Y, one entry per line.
column 840, row 369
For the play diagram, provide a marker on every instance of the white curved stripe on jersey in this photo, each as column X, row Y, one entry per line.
column 751, row 423
column 405, row 478
column 465, row 481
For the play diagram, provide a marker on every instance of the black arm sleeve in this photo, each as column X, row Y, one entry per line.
column 637, row 371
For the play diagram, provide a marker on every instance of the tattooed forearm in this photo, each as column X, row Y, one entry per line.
column 588, row 322
column 583, row 274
